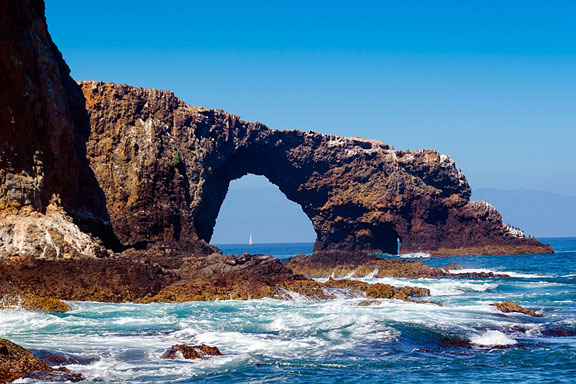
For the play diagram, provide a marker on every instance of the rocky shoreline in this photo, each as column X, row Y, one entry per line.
column 214, row 277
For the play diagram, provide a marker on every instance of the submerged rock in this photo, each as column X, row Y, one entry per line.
column 191, row 351
column 61, row 374
column 510, row 306
column 558, row 332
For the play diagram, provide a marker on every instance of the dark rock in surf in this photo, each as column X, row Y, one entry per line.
column 510, row 306
column 191, row 351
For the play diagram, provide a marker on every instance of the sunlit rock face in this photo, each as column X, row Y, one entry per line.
column 139, row 168
column 165, row 168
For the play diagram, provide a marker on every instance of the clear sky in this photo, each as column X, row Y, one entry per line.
column 492, row 83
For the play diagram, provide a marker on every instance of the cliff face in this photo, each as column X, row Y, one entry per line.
column 43, row 130
column 140, row 169
column 165, row 168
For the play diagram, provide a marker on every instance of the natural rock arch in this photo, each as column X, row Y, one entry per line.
column 165, row 168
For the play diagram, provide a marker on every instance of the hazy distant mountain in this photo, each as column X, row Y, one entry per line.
column 541, row 214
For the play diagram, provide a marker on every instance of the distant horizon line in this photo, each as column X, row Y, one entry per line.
column 311, row 242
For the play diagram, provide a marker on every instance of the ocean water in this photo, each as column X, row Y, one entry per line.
column 336, row 341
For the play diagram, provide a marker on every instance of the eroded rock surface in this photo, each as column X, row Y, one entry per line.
column 44, row 127
column 344, row 264
column 165, row 168
column 18, row 363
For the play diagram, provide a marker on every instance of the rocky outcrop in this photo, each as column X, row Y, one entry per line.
column 165, row 168
column 18, row 363
column 191, row 352
column 347, row 265
column 111, row 279
column 13, row 298
column 510, row 306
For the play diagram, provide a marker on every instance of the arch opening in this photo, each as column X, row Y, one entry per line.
column 254, row 207
column 387, row 240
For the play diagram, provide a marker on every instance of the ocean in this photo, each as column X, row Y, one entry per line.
column 336, row 341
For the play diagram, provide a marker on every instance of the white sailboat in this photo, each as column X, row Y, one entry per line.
column 251, row 241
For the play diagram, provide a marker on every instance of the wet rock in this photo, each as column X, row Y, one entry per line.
column 510, row 306
column 415, row 291
column 345, row 264
column 452, row 267
column 16, row 362
column 109, row 279
column 191, row 351
column 14, row 298
column 57, row 358
column 558, row 332
column 61, row 374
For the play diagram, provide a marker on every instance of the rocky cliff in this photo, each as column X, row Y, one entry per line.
column 44, row 174
column 90, row 169
column 165, row 168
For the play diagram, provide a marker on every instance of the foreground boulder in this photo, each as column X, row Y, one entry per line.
column 17, row 363
column 510, row 306
column 191, row 351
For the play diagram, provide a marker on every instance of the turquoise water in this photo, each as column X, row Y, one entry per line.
column 272, row 341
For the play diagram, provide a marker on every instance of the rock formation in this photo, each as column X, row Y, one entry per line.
column 111, row 192
column 18, row 363
column 165, row 168
column 510, row 306
column 43, row 132
column 191, row 352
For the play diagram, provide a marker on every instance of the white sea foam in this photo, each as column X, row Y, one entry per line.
column 416, row 255
column 438, row 287
column 509, row 273
column 492, row 338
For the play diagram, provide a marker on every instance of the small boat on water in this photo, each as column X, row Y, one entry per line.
column 250, row 241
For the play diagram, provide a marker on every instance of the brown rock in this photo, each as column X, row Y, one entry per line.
column 368, row 303
column 510, row 306
column 16, row 362
column 191, row 351
column 61, row 374
column 111, row 279
column 360, row 194
column 343, row 264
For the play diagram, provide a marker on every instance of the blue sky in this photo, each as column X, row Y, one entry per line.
column 491, row 83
